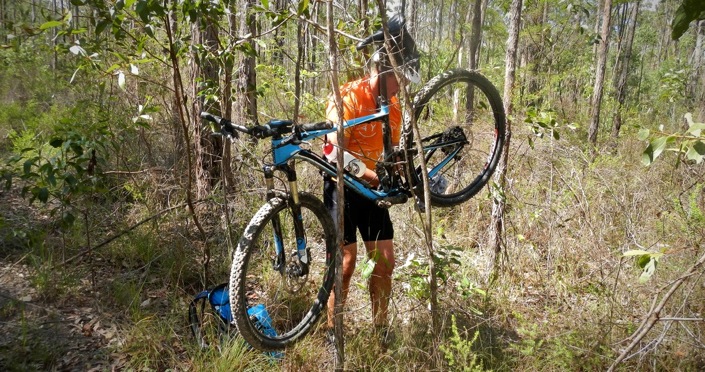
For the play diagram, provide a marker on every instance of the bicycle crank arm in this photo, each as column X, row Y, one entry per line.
column 388, row 201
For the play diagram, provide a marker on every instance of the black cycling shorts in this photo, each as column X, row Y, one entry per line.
column 361, row 214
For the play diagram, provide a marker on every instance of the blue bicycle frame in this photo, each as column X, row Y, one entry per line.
column 288, row 147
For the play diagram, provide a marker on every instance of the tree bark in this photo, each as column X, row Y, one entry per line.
column 602, row 51
column 476, row 36
column 473, row 53
column 208, row 148
column 338, row 304
column 496, row 229
column 700, row 72
column 247, row 82
column 623, row 67
column 696, row 82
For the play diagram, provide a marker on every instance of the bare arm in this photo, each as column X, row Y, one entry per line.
column 370, row 175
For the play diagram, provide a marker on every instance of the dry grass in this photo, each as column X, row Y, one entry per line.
column 564, row 299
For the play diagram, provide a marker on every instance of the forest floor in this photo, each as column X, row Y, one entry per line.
column 65, row 333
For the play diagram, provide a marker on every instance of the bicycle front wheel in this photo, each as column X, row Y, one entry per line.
column 461, row 121
column 275, row 302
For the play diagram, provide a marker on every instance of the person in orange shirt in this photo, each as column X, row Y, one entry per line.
column 365, row 142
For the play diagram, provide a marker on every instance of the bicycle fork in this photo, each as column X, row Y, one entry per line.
column 298, row 267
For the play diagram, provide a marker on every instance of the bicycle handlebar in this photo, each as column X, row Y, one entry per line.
column 228, row 128
column 270, row 129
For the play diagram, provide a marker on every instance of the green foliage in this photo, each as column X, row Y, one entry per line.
column 531, row 340
column 688, row 11
column 673, row 83
column 458, row 351
column 646, row 261
column 689, row 144
column 543, row 123
column 60, row 167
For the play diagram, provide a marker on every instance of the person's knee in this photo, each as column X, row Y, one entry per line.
column 349, row 259
column 385, row 262
column 348, row 271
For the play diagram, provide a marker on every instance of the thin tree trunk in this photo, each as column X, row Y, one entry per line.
column 596, row 30
column 392, row 7
column 183, row 118
column 412, row 19
column 338, row 290
column 626, row 55
column 700, row 67
column 496, row 229
column 473, row 57
column 696, row 61
column 602, row 51
column 208, row 147
column 247, row 82
column 301, row 50
column 476, row 36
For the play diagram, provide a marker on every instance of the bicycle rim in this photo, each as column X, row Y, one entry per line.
column 461, row 122
column 292, row 301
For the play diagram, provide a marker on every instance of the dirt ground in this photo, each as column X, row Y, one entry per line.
column 35, row 335
column 37, row 332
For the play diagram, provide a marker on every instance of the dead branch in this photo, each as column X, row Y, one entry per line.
column 655, row 313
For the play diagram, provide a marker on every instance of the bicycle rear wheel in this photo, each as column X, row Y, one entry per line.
column 461, row 120
column 262, row 292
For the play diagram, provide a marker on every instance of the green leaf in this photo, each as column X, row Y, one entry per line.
column 27, row 167
column 689, row 11
column 77, row 149
column 121, row 80
column 367, row 268
column 51, row 178
column 635, row 252
column 649, row 270
column 149, row 29
column 659, row 144
column 43, row 194
column 647, row 157
column 70, row 180
column 696, row 129
column 696, row 152
column 265, row 4
column 67, row 219
column 56, row 142
column 76, row 50
column 100, row 27
column 643, row 134
column 50, row 24
column 303, row 7
column 644, row 260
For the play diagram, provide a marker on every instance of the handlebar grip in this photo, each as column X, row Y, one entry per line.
column 210, row 117
column 316, row 126
column 227, row 127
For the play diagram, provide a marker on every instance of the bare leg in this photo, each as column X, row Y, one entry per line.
column 381, row 280
column 349, row 259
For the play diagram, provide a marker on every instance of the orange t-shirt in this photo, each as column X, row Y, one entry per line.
column 365, row 141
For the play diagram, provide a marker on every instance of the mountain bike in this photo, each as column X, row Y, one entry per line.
column 283, row 267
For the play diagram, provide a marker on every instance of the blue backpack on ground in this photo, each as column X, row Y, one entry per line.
column 219, row 299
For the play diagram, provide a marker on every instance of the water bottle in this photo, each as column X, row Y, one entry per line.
column 352, row 164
